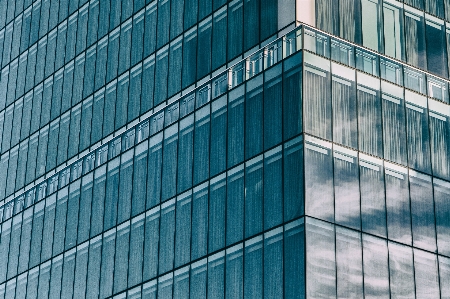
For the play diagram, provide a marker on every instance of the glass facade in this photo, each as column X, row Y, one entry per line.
column 224, row 149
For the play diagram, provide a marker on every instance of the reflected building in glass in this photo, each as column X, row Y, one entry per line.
column 224, row 149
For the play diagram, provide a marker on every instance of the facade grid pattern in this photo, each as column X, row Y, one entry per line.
column 224, row 149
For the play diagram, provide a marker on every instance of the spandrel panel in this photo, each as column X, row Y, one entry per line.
column 21, row 288
column 204, row 43
column 107, row 266
column 71, row 36
column 349, row 263
column 27, row 115
column 136, row 256
column 68, row 86
column 165, row 285
column 89, row 71
column 198, row 279
column 235, row 28
column 98, row 197
column 14, row 246
column 81, row 265
column 236, row 128
column 11, row 288
column 61, row 45
column 320, row 264
column 167, row 240
column 199, row 240
column 235, row 205
column 346, row 187
column 139, row 179
column 349, row 26
column 25, row 242
column 422, row 211
column 202, row 144
column 373, row 206
column 111, row 194
column 49, row 222
column 426, row 274
column 317, row 99
column 67, row 287
column 36, row 234
column 393, row 39
column 293, row 196
column 219, row 39
column 273, row 188
column 4, row 247
column 234, row 272
column 55, row 277
column 121, row 257
column 397, row 204
column 319, row 201
column 149, row 290
column 183, row 229
column 344, row 103
column 253, row 267
column 292, row 96
column 151, row 243
column 44, row 280
column 376, row 271
column 442, row 207
column 84, row 208
column 150, row 28
column 439, row 120
column 110, row 106
column 113, row 55
column 181, row 283
column 32, row 284
column 417, row 132
column 78, row 76
column 94, row 267
column 125, row 186
column 185, row 157
column 135, row 92
column 175, row 66
column 135, row 293
column 60, row 221
column 294, row 259
column 169, row 162
column 273, row 263
column 216, row 267
column 101, row 62
column 444, row 276
column 218, row 146
column 161, row 69
column 435, row 44
column 254, row 196
column 394, row 121
column 22, row 165
column 122, row 99
column 369, row 115
column 415, row 37
column 217, row 210
column 273, row 98
column 435, row 7
column 125, row 45
column 73, row 207
column 401, row 272
column 137, row 36
column 154, row 170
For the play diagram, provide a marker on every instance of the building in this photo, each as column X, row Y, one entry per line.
column 214, row 149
